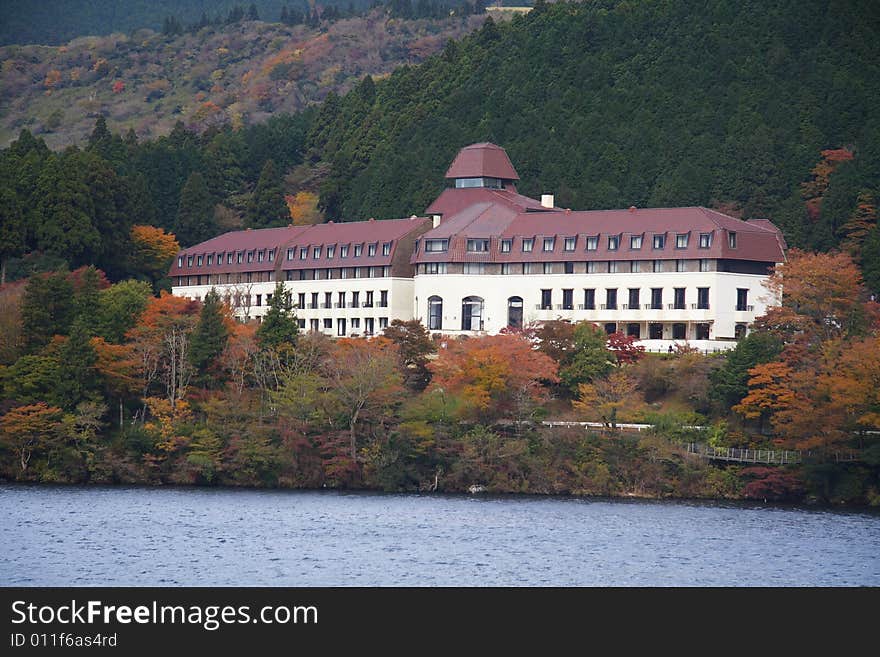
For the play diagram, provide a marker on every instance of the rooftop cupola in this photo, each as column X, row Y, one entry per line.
column 482, row 165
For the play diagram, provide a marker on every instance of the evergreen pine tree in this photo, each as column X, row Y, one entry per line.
column 195, row 214
column 78, row 379
column 208, row 340
column 267, row 206
column 47, row 309
column 12, row 228
column 252, row 14
column 280, row 326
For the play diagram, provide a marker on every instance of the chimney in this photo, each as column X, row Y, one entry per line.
column 547, row 200
column 435, row 220
column 632, row 208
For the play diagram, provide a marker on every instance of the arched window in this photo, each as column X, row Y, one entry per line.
column 472, row 314
column 435, row 313
column 515, row 312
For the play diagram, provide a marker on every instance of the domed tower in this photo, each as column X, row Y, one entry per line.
column 482, row 165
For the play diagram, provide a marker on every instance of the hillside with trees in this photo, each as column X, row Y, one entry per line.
column 234, row 71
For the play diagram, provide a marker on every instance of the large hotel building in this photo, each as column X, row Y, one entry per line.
column 485, row 258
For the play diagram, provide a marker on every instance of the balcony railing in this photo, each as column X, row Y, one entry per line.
column 698, row 306
column 747, row 309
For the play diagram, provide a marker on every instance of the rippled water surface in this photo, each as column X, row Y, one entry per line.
column 71, row 536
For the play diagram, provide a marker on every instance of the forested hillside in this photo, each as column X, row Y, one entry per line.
column 22, row 21
column 761, row 109
column 239, row 72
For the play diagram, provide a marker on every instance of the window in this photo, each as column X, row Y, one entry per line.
column 368, row 326
column 371, row 250
column 331, row 251
column 731, row 239
column 527, row 268
column 355, row 323
column 705, row 264
column 633, row 298
column 259, row 300
column 634, row 330
column 569, row 267
column 189, row 260
column 613, row 242
column 705, row 240
column 678, row 298
column 328, row 323
column 386, row 249
column 303, row 252
column 546, row 299
column 383, row 299
column 301, row 300
column 703, row 298
column 702, row 331
column 434, row 268
column 681, row 240
column 656, row 298
column 328, row 274
column 355, row 301
column 635, row 266
column 506, row 268
column 474, row 268
column 681, row 265
column 316, row 252
column 314, row 303
column 431, row 246
column 658, row 266
column 655, row 331
column 592, row 243
column 383, row 322
column 435, row 313
column 505, row 246
column 548, row 267
column 570, row 243
column 343, row 251
column 515, row 312
column 250, row 256
column 635, row 242
column 271, row 255
column 328, row 300
column 612, row 267
column 477, row 246
column 261, row 256
column 567, row 299
column 472, row 314
column 589, row 299
column 290, row 254
column 610, row 328
column 549, row 243
column 679, row 331
column 742, row 298
column 527, row 244
column 210, row 259
column 591, row 267
column 611, row 299
column 340, row 326
column 739, row 331
column 199, row 261
column 314, row 324
column 359, row 248
column 368, row 302
column 180, row 261
column 659, row 241
column 341, row 300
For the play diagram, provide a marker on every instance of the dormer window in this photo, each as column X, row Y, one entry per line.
column 570, row 243
column 635, row 242
column 180, row 261
column 477, row 246
column 210, row 259
column 220, row 256
column 371, row 250
column 527, row 244
column 316, row 252
column 731, row 239
column 271, row 255
column 705, row 240
column 199, row 261
column 506, row 245
column 189, row 261
column 260, row 256
column 229, row 258
column 386, row 249
column 303, row 252
column 436, row 246
column 681, row 241
column 250, row 256
column 239, row 257
column 331, row 251
column 343, row 251
column 592, row 243
column 358, row 249
column 659, row 241
column 290, row 253
column 549, row 243
column 613, row 242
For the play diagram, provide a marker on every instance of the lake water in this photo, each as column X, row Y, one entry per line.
column 107, row 536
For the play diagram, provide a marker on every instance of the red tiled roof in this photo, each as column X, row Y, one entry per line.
column 482, row 160
column 451, row 201
column 757, row 241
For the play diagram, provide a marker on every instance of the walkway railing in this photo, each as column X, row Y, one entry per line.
column 768, row 456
